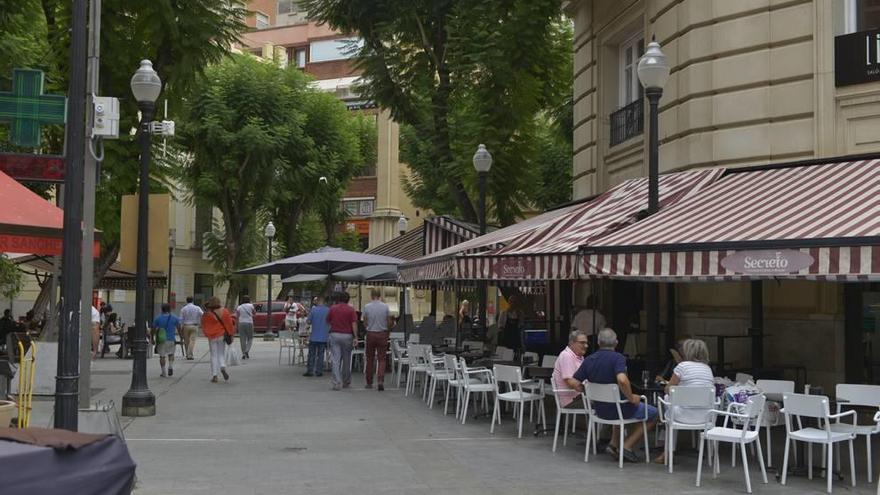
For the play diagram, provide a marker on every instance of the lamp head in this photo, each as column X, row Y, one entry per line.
column 653, row 68
column 145, row 83
column 482, row 159
column 269, row 232
column 402, row 225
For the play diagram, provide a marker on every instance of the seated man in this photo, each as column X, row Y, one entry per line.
column 608, row 366
column 568, row 362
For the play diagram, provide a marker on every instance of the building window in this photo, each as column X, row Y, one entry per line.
column 861, row 15
column 203, row 288
column 350, row 208
column 299, row 55
column 630, row 52
column 338, row 49
column 366, row 207
column 627, row 122
column 288, row 7
column 262, row 20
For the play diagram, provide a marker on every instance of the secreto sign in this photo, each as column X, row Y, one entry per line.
column 770, row 262
column 514, row 268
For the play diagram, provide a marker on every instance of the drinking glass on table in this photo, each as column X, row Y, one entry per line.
column 646, row 376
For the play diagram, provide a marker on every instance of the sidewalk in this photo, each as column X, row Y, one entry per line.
column 270, row 430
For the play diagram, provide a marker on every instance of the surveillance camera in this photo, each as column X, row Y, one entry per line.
column 322, row 180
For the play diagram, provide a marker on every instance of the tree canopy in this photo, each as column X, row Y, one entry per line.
column 457, row 73
column 259, row 142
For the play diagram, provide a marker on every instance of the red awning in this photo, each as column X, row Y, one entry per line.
column 28, row 223
column 814, row 221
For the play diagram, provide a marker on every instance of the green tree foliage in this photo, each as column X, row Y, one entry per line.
column 256, row 141
column 11, row 280
column 456, row 73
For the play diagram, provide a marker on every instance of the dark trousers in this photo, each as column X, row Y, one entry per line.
column 377, row 348
column 315, row 364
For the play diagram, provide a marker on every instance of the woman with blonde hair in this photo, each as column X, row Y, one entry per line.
column 464, row 313
column 217, row 326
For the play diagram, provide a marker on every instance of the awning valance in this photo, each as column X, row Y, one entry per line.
column 812, row 221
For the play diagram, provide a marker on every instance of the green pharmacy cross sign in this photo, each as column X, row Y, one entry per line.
column 26, row 108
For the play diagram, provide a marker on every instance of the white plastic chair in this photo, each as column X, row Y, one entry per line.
column 749, row 416
column 773, row 390
column 549, row 361
column 503, row 353
column 413, row 338
column 474, row 345
column 566, row 412
column 696, row 399
column 530, row 357
column 512, row 376
column 743, row 378
column 849, row 395
column 417, row 366
column 797, row 406
column 437, row 373
column 610, row 393
column 286, row 341
column 477, row 381
column 399, row 360
column 359, row 354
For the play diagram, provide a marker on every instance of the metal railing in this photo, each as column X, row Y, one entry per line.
column 627, row 122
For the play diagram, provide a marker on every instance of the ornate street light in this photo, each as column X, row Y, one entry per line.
column 482, row 164
column 269, row 232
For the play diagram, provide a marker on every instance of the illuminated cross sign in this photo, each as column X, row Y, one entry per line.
column 26, row 108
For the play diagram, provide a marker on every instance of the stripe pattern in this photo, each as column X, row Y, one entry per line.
column 823, row 206
column 442, row 232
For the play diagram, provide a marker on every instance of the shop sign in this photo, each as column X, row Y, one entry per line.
column 857, row 58
column 514, row 268
column 771, row 262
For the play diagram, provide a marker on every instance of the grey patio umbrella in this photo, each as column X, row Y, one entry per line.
column 324, row 261
column 374, row 273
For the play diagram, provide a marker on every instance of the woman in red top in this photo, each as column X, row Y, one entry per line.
column 216, row 324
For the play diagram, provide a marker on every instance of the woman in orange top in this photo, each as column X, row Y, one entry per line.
column 216, row 324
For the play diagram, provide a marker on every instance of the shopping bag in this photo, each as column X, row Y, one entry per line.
column 233, row 356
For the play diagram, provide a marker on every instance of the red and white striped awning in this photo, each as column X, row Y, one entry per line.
column 817, row 221
column 546, row 247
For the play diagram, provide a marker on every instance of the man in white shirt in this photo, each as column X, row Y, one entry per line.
column 377, row 320
column 190, row 319
column 589, row 320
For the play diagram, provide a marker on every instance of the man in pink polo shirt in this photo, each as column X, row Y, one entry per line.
column 567, row 363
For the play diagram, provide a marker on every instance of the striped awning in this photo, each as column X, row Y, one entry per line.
column 817, row 221
column 546, row 247
column 443, row 231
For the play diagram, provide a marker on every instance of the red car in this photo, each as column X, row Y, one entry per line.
column 278, row 316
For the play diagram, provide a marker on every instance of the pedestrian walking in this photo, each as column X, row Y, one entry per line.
column 317, row 319
column 244, row 315
column 377, row 320
column 191, row 318
column 165, row 328
column 217, row 326
column 343, row 323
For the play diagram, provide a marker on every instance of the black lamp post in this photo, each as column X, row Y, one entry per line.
column 653, row 72
column 269, row 232
column 482, row 164
column 172, row 242
column 139, row 401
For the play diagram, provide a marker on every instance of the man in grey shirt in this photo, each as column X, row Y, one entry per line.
column 377, row 319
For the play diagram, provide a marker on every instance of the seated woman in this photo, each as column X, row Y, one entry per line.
column 692, row 371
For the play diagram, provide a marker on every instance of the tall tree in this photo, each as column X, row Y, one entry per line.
column 456, row 73
column 254, row 139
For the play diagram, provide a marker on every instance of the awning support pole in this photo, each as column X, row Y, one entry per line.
column 652, row 309
column 757, row 327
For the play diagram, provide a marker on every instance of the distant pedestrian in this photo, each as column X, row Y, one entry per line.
column 164, row 333
column 7, row 326
column 318, row 338
column 217, row 326
column 191, row 318
column 295, row 314
column 96, row 331
column 244, row 315
column 377, row 319
column 343, row 322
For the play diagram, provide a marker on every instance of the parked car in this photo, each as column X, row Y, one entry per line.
column 278, row 315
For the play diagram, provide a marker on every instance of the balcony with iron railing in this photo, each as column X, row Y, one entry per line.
column 627, row 122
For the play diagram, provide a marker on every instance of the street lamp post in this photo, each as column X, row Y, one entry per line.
column 653, row 71
column 482, row 163
column 139, row 401
column 172, row 242
column 402, row 225
column 269, row 232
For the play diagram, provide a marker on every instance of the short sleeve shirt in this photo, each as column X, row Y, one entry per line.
column 341, row 317
column 245, row 313
column 168, row 322
column 603, row 366
column 376, row 315
column 318, row 319
column 566, row 365
column 96, row 316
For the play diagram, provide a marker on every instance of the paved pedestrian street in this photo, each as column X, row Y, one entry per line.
column 270, row 430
